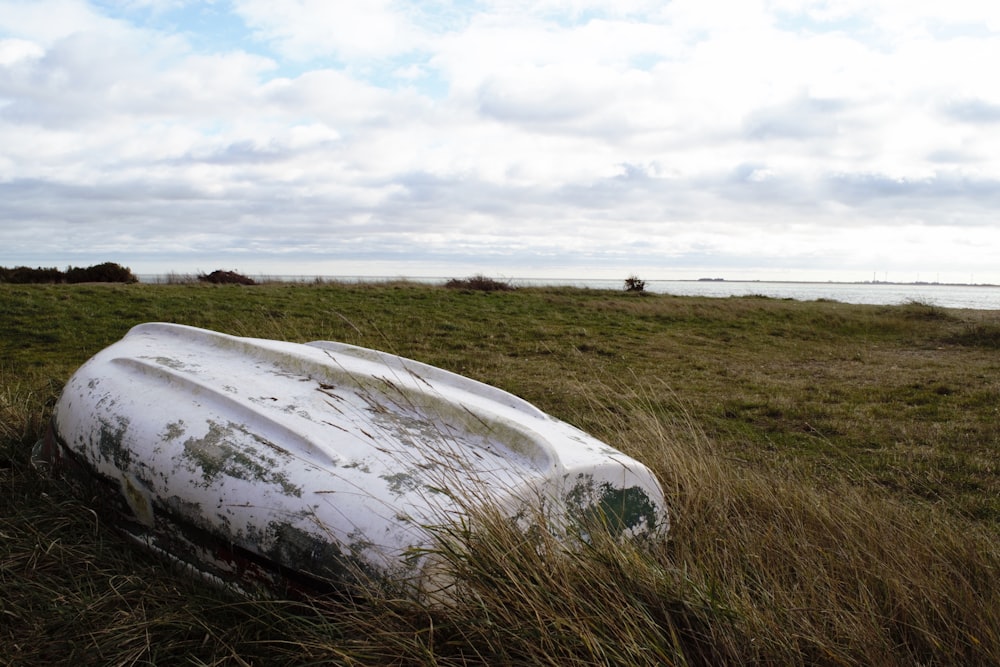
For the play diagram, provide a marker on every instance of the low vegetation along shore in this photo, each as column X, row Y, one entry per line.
column 832, row 471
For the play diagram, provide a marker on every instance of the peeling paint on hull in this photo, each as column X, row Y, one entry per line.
column 268, row 466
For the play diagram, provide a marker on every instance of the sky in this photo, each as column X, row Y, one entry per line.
column 737, row 139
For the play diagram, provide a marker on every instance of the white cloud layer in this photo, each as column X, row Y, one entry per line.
column 752, row 138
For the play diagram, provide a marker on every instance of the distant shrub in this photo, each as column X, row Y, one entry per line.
column 480, row 283
column 978, row 335
column 24, row 275
column 226, row 278
column 635, row 284
column 108, row 272
column 921, row 310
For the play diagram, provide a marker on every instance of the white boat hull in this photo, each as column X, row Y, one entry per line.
column 273, row 467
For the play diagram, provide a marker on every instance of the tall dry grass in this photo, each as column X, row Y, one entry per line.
column 762, row 567
column 816, row 572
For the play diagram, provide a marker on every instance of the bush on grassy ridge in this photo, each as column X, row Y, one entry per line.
column 220, row 277
column 479, row 283
column 635, row 284
column 108, row 272
column 921, row 310
column 22, row 275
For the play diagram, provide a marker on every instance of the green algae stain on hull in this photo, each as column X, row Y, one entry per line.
column 221, row 451
column 622, row 511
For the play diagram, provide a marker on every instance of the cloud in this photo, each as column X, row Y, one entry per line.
column 974, row 111
column 15, row 52
column 47, row 21
column 569, row 132
column 311, row 29
column 964, row 200
column 552, row 96
column 802, row 118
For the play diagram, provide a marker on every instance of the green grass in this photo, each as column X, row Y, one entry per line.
column 832, row 471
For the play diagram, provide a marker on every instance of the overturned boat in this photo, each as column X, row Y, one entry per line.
column 281, row 468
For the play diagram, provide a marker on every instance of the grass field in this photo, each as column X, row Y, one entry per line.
column 832, row 471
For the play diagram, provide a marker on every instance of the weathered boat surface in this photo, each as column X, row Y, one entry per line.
column 268, row 465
